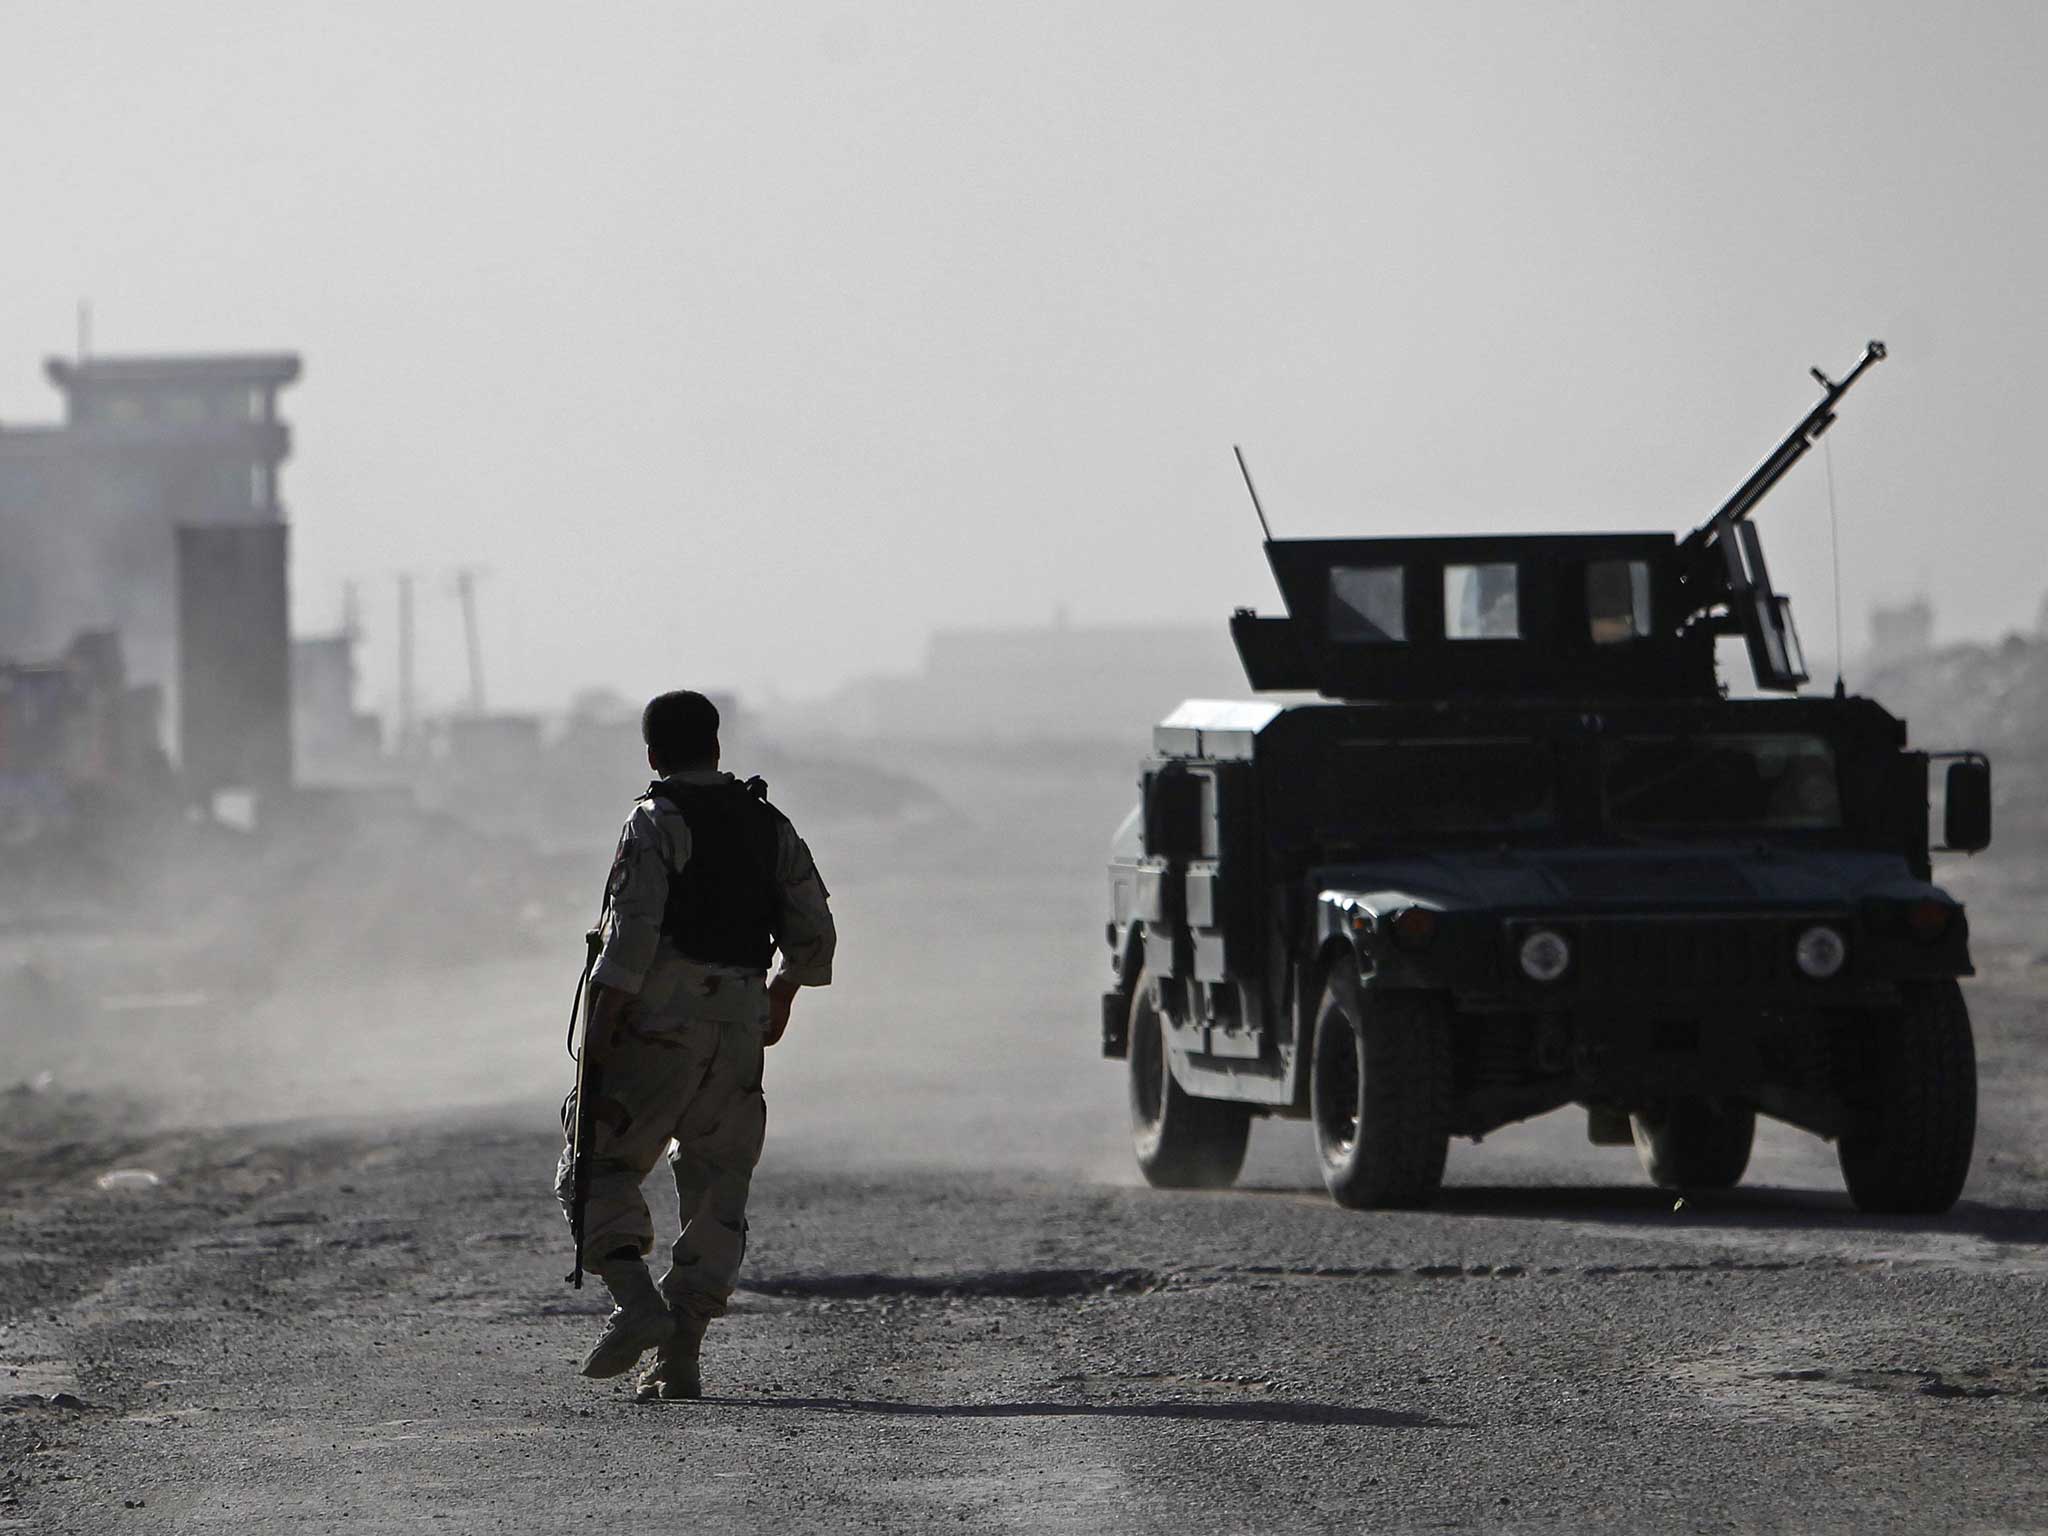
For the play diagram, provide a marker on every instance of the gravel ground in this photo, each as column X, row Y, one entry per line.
column 307, row 1327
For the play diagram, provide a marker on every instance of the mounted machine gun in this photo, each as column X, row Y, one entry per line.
column 1722, row 561
column 1583, row 616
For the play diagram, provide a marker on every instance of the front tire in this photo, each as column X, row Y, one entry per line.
column 1181, row 1142
column 1695, row 1143
column 1913, row 1116
column 1380, row 1094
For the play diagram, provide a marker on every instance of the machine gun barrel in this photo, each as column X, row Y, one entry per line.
column 1785, row 455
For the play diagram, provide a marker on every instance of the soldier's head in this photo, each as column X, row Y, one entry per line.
column 681, row 732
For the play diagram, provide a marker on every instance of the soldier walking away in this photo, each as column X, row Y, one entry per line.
column 709, row 882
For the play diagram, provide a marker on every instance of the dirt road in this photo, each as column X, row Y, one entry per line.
column 307, row 1328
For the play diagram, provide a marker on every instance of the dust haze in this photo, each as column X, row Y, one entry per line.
column 877, row 368
column 727, row 370
column 394, row 948
column 393, row 398
column 374, row 958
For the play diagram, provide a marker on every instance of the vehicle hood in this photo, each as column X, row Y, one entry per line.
column 1624, row 879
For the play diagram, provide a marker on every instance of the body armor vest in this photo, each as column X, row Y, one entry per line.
column 722, row 902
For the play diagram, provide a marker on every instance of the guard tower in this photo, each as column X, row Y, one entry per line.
column 204, row 428
column 172, row 515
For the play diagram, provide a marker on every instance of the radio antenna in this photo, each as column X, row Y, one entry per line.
column 1827, row 453
column 1245, row 470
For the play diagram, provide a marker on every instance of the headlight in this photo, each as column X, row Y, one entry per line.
column 1929, row 920
column 1545, row 955
column 1414, row 928
column 1820, row 952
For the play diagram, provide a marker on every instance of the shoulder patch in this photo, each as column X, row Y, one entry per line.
column 615, row 882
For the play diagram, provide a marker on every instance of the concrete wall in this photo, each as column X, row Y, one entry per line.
column 234, row 659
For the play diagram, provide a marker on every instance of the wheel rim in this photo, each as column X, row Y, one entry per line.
column 1339, row 1088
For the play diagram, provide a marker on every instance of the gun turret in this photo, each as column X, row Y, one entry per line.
column 1525, row 616
column 1722, row 560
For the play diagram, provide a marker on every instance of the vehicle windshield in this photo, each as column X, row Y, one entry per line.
column 1391, row 788
column 1715, row 782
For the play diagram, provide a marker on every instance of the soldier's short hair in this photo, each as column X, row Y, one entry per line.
column 680, row 729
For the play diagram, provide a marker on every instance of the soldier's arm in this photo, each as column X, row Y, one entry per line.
column 637, row 893
column 804, row 931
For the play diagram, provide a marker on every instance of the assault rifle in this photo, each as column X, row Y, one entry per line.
column 581, row 1108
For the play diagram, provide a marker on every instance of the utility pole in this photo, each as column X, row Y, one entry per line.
column 465, row 589
column 406, row 721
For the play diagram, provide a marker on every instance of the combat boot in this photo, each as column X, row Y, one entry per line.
column 640, row 1320
column 674, row 1376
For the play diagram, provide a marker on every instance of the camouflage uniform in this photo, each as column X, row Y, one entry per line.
column 685, row 1072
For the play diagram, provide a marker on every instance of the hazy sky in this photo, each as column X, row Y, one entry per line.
column 743, row 344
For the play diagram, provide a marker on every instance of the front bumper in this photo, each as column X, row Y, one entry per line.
column 1661, row 962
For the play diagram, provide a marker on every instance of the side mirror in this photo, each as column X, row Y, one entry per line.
column 1966, row 815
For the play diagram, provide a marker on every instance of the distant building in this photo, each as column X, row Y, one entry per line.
column 74, row 735
column 333, row 742
column 1059, row 682
column 164, row 471
column 507, row 743
column 484, row 769
column 1900, row 631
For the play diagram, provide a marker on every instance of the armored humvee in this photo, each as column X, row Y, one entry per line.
column 1528, row 853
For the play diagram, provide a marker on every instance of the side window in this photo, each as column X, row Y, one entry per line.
column 1366, row 604
column 1618, row 601
column 1482, row 602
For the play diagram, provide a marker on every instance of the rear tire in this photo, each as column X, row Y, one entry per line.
column 1380, row 1094
column 1695, row 1143
column 1181, row 1142
column 1913, row 1116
